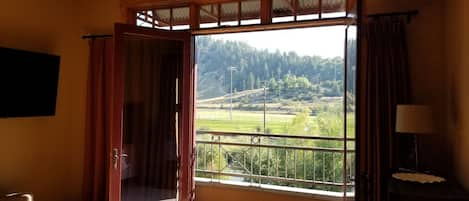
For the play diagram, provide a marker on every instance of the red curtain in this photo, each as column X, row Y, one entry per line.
column 384, row 84
column 97, row 119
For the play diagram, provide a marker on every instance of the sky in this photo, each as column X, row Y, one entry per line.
column 320, row 41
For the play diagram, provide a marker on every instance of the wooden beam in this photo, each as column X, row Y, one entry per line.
column 210, row 14
column 153, row 24
column 219, row 14
column 194, row 16
column 266, row 11
column 320, row 9
column 295, row 8
column 351, row 7
column 239, row 13
column 171, row 19
column 128, row 15
column 152, row 4
column 276, row 26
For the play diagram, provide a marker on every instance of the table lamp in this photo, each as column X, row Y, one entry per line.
column 416, row 120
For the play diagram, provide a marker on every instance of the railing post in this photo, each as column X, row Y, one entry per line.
column 323, row 166
column 268, row 162
column 211, row 158
column 286, row 163
column 277, row 160
column 333, row 167
column 294, row 163
column 314, row 166
column 304, row 165
column 205, row 156
column 219, row 156
column 260, row 161
column 197, row 159
column 252, row 161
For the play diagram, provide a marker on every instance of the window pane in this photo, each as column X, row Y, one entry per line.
column 145, row 18
column 180, row 18
column 181, row 27
column 162, row 18
column 209, row 16
column 264, row 110
column 282, row 11
column 333, row 8
column 250, row 12
column 209, row 25
column 307, row 17
column 308, row 10
column 229, row 14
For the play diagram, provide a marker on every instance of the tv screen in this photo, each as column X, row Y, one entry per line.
column 28, row 83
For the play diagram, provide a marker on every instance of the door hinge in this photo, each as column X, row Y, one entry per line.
column 178, row 161
column 193, row 157
column 178, row 107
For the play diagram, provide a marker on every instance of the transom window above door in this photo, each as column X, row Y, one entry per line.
column 240, row 13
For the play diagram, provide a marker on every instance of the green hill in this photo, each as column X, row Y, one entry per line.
column 287, row 75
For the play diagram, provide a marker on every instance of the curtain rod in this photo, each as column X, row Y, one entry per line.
column 96, row 36
column 408, row 13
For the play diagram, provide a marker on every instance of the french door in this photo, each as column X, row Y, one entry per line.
column 151, row 147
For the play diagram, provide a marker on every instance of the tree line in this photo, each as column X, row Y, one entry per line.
column 252, row 68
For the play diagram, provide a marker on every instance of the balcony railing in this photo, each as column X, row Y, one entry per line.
column 307, row 162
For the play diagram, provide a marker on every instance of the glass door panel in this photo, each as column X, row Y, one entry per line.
column 149, row 147
column 150, row 150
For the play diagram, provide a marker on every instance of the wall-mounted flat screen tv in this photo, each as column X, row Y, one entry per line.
column 28, row 83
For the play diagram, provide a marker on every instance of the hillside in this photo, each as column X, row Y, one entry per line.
column 287, row 75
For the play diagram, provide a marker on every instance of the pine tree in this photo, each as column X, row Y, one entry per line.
column 258, row 83
column 251, row 81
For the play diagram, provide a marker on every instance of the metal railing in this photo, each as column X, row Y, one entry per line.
column 310, row 162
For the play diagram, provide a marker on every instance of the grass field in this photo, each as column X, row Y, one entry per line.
column 252, row 121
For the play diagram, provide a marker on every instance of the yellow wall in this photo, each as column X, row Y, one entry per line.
column 40, row 154
column 457, row 63
column 438, row 48
column 45, row 155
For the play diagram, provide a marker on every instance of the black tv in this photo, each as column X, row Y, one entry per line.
column 28, row 83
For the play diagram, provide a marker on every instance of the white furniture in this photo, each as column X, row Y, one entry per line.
column 17, row 197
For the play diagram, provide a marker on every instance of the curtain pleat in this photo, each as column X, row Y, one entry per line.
column 150, row 166
column 97, row 119
column 386, row 86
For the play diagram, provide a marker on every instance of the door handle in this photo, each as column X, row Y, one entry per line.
column 115, row 158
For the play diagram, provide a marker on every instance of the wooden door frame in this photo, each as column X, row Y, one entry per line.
column 186, row 127
column 189, row 82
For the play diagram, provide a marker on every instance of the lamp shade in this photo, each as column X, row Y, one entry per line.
column 414, row 119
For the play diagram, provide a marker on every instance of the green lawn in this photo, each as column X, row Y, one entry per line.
column 251, row 121
column 243, row 121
